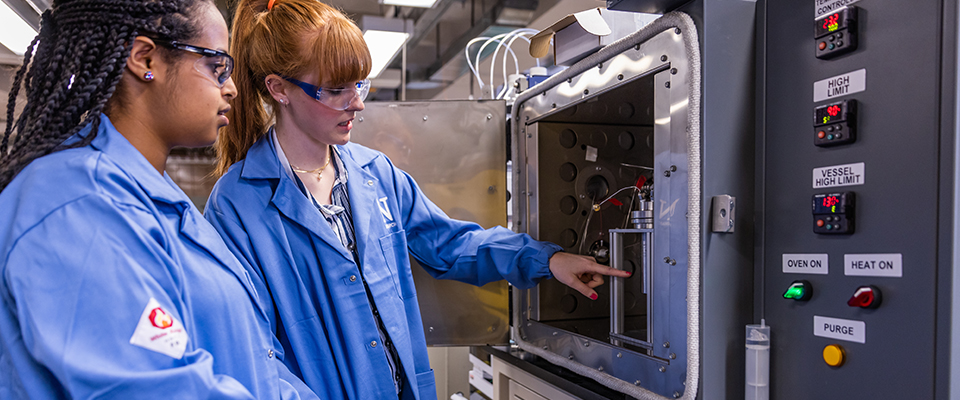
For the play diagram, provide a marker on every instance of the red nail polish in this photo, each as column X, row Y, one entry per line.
column 629, row 273
column 593, row 296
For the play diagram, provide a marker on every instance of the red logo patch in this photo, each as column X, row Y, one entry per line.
column 160, row 318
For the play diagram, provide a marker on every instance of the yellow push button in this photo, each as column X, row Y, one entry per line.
column 833, row 355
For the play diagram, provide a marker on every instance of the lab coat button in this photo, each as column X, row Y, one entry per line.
column 353, row 278
column 270, row 353
column 373, row 343
column 370, row 183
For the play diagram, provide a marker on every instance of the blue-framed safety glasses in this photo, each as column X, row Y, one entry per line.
column 335, row 98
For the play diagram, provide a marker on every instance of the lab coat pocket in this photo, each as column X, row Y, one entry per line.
column 394, row 247
column 427, row 385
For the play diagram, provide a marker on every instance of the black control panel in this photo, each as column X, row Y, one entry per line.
column 836, row 33
column 833, row 213
column 835, row 123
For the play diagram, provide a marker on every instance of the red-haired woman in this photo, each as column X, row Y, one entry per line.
column 326, row 227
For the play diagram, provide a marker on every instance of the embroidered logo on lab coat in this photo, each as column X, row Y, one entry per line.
column 385, row 212
column 158, row 331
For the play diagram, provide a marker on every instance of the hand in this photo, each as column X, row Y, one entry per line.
column 581, row 273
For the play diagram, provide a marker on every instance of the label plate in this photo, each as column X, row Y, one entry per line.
column 883, row 265
column 839, row 175
column 840, row 329
column 840, row 85
column 805, row 264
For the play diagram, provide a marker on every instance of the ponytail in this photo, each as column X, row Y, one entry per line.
column 290, row 38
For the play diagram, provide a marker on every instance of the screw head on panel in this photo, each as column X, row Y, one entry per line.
column 673, row 356
column 424, row 117
column 663, row 57
column 666, row 345
column 620, row 77
column 673, row 71
column 619, row 355
column 663, row 369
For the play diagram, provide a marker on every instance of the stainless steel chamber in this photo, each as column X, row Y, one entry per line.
column 600, row 147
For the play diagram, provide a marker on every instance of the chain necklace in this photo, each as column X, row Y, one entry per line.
column 318, row 171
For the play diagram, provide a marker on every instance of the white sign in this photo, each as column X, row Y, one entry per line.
column 884, row 265
column 824, row 7
column 838, row 175
column 840, row 85
column 840, row 329
column 805, row 264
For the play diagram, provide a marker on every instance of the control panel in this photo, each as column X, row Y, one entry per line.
column 842, row 298
column 835, row 123
column 833, row 213
column 836, row 32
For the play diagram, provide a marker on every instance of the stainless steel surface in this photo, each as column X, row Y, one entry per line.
column 724, row 209
column 458, row 157
column 616, row 288
column 643, row 89
column 192, row 170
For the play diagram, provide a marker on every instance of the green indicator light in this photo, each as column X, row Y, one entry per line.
column 799, row 290
column 795, row 292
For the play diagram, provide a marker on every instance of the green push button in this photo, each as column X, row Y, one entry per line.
column 799, row 290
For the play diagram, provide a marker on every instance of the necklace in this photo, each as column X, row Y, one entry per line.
column 318, row 171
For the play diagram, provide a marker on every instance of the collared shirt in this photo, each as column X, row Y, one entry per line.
column 340, row 218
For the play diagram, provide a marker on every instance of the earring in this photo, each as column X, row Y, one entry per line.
column 283, row 101
column 148, row 76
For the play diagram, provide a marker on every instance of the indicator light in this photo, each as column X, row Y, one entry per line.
column 865, row 297
column 799, row 290
column 834, row 355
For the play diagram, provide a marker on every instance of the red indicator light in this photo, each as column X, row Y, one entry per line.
column 865, row 297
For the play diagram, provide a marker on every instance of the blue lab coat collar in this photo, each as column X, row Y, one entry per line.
column 262, row 163
column 112, row 143
column 162, row 189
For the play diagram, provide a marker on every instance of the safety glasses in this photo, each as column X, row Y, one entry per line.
column 335, row 98
column 214, row 64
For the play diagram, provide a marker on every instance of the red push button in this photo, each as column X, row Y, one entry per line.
column 820, row 223
column 821, row 134
column 865, row 297
column 823, row 45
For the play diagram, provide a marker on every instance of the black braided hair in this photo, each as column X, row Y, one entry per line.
column 72, row 68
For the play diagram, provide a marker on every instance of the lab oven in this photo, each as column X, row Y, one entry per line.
column 619, row 158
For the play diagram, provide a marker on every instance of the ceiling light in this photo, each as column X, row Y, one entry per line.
column 410, row 3
column 385, row 38
column 16, row 34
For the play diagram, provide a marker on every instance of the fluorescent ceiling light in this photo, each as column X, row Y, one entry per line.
column 410, row 3
column 16, row 34
column 383, row 45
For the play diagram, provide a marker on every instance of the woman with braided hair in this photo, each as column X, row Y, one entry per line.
column 111, row 283
column 326, row 227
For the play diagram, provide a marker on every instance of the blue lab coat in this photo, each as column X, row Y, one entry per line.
column 89, row 236
column 316, row 300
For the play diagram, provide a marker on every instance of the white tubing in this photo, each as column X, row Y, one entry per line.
column 691, row 46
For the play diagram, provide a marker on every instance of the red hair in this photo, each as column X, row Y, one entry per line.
column 292, row 38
